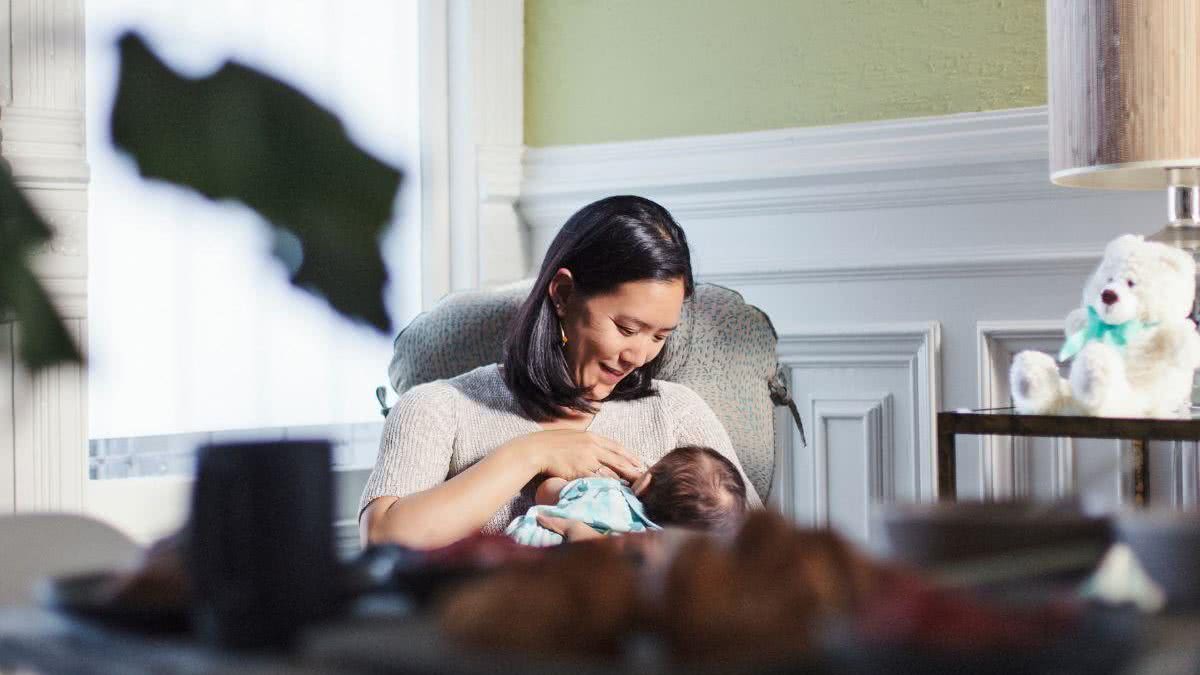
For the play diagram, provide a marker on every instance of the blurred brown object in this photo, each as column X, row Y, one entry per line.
column 754, row 596
column 579, row 601
column 758, row 596
column 160, row 581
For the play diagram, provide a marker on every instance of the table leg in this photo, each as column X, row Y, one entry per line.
column 1141, row 472
column 947, row 478
column 1138, row 479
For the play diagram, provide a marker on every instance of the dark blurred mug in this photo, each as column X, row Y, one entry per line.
column 261, row 551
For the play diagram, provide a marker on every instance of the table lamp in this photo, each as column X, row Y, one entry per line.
column 1124, row 100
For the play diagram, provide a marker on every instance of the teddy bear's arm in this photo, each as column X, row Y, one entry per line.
column 1075, row 322
column 1175, row 342
column 1193, row 344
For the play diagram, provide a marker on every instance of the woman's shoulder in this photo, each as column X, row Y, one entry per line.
column 677, row 396
column 484, row 381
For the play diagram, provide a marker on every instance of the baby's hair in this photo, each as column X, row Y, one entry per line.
column 697, row 487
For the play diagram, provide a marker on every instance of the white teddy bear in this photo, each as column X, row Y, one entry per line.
column 1135, row 348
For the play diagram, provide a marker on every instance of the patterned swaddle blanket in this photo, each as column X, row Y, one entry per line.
column 606, row 504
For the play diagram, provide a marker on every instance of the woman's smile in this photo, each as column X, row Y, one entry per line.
column 609, row 375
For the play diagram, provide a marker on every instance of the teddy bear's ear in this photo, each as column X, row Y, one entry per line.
column 1178, row 260
column 1122, row 245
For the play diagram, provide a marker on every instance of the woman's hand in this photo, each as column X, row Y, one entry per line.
column 571, row 530
column 571, row 454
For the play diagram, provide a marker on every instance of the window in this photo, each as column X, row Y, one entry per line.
column 194, row 332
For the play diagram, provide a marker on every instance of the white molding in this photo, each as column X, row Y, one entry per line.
column 931, row 263
column 1007, row 462
column 951, row 159
column 50, row 435
column 875, row 414
column 5, row 58
column 498, row 101
column 1185, row 474
column 472, row 103
column 43, row 148
column 42, row 124
column 43, row 418
column 8, row 414
column 913, row 346
column 433, row 34
column 782, row 496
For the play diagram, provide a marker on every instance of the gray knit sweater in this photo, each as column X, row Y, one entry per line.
column 439, row 429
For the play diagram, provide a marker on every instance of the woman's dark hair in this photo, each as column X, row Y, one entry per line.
column 605, row 244
column 697, row 487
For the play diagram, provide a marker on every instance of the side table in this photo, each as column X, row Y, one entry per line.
column 1006, row 423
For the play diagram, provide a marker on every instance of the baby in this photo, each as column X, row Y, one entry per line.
column 691, row 486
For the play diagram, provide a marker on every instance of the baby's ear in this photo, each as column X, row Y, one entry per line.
column 640, row 485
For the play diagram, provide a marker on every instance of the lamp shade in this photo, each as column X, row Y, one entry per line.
column 1124, row 78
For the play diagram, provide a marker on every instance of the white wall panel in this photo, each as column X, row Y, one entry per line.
column 868, row 395
column 853, row 462
column 1027, row 467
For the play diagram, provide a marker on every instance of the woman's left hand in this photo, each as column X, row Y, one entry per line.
column 571, row 530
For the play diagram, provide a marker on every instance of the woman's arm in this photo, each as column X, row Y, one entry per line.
column 407, row 498
column 451, row 510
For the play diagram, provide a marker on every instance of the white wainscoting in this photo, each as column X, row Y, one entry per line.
column 949, row 224
column 1011, row 463
column 868, row 395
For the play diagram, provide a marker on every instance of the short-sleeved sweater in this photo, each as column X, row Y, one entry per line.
column 439, row 429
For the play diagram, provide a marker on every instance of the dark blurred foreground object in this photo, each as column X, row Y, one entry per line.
column 260, row 542
column 44, row 339
column 154, row 596
column 423, row 575
column 1167, row 545
column 240, row 134
column 978, row 543
column 767, row 596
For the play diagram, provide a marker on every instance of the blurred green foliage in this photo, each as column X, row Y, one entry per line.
column 43, row 340
column 236, row 134
column 239, row 134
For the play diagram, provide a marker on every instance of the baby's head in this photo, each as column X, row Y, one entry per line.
column 695, row 487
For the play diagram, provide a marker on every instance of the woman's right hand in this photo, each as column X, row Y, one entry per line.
column 571, row 454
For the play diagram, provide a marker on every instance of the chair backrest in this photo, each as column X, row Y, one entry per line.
column 34, row 546
column 724, row 349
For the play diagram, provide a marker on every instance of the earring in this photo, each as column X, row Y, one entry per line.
column 562, row 333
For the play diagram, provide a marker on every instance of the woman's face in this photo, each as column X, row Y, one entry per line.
column 609, row 335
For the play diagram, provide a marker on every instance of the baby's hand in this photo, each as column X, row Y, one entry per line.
column 549, row 490
column 571, row 530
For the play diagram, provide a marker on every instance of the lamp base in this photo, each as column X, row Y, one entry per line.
column 1183, row 227
column 1183, row 231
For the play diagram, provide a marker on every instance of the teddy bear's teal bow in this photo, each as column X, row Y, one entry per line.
column 1116, row 335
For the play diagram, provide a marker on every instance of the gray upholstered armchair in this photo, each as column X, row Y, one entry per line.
column 724, row 349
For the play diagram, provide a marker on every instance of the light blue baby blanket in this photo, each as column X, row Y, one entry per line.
column 606, row 504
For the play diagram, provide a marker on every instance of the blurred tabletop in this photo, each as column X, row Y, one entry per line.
column 36, row 640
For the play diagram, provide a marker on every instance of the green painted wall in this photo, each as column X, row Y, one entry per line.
column 612, row 70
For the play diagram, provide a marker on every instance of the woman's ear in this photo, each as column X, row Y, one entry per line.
column 640, row 485
column 561, row 287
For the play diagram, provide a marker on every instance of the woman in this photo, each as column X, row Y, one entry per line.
column 574, row 397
